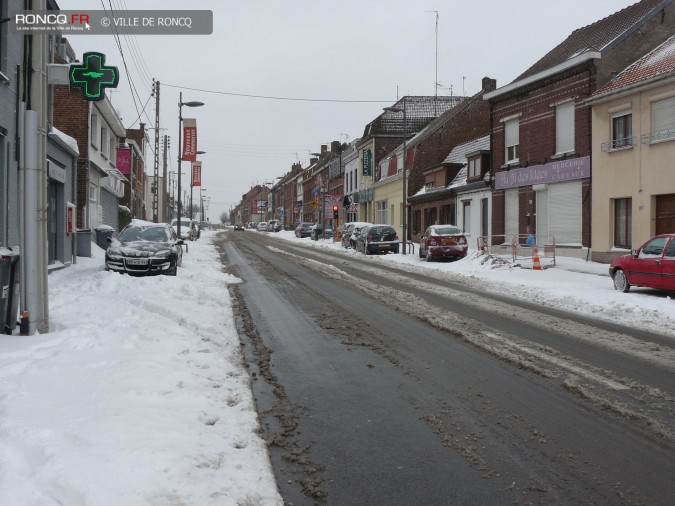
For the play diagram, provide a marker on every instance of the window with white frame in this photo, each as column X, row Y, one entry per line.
column 93, row 192
column 512, row 140
column 474, row 168
column 93, row 137
column 105, row 142
column 663, row 119
column 564, row 128
column 622, row 130
column 382, row 212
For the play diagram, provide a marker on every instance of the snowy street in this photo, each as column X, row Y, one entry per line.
column 139, row 394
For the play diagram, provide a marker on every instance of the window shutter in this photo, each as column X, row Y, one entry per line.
column 663, row 115
column 565, row 212
column 564, row 128
column 511, row 133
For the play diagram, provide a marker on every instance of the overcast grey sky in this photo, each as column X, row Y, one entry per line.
column 365, row 50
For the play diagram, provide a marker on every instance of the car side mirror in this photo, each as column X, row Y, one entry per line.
column 180, row 241
column 109, row 239
column 634, row 253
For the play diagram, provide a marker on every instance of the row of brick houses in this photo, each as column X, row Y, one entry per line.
column 576, row 151
column 68, row 166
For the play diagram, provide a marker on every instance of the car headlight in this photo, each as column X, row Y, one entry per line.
column 163, row 254
column 112, row 256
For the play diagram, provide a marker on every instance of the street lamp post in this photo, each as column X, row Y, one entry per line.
column 404, row 225
column 201, row 203
column 180, row 148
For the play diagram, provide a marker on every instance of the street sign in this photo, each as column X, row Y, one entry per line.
column 93, row 76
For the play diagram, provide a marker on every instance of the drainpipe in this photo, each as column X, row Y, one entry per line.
column 33, row 188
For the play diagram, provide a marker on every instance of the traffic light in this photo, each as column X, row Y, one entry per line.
column 336, row 212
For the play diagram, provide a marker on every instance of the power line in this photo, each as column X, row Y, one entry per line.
column 292, row 99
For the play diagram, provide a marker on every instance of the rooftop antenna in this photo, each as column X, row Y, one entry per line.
column 463, row 89
column 436, row 79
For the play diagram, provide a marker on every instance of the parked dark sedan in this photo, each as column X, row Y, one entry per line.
column 145, row 248
column 443, row 241
column 652, row 265
column 377, row 239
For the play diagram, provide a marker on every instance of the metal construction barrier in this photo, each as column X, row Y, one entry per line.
column 518, row 247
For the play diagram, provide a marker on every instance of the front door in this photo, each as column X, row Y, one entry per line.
column 665, row 214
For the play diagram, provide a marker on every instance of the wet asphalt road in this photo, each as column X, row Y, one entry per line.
column 363, row 403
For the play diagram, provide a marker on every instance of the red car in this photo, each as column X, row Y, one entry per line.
column 443, row 241
column 651, row 266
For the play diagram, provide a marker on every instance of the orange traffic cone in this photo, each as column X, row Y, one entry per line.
column 536, row 265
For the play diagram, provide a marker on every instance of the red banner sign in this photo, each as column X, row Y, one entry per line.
column 189, row 140
column 123, row 163
column 196, row 173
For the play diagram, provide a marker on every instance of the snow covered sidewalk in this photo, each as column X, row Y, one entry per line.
column 138, row 395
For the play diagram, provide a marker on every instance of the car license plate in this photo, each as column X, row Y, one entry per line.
column 137, row 261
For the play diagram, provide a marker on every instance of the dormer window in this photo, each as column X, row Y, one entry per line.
column 474, row 168
column 477, row 162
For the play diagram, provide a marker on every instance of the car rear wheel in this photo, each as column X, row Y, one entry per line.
column 620, row 281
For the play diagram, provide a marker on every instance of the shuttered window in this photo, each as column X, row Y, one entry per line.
column 512, row 139
column 663, row 119
column 564, row 128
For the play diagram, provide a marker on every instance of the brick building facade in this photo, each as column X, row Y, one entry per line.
column 541, row 127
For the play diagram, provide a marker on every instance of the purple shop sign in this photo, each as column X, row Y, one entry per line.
column 553, row 172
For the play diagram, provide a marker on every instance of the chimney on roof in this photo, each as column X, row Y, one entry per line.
column 313, row 160
column 335, row 147
column 324, row 150
column 489, row 84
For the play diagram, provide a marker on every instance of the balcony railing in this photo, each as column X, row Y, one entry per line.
column 660, row 135
column 617, row 144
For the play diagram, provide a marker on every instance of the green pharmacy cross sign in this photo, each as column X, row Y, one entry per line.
column 93, row 76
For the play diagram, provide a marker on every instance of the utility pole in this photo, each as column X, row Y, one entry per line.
column 155, row 193
column 165, row 191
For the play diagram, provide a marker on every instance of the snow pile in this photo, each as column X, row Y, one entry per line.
column 137, row 395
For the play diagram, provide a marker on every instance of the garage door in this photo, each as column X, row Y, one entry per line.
column 559, row 213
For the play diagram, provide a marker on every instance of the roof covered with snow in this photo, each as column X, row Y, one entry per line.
column 420, row 110
column 458, row 155
column 656, row 64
